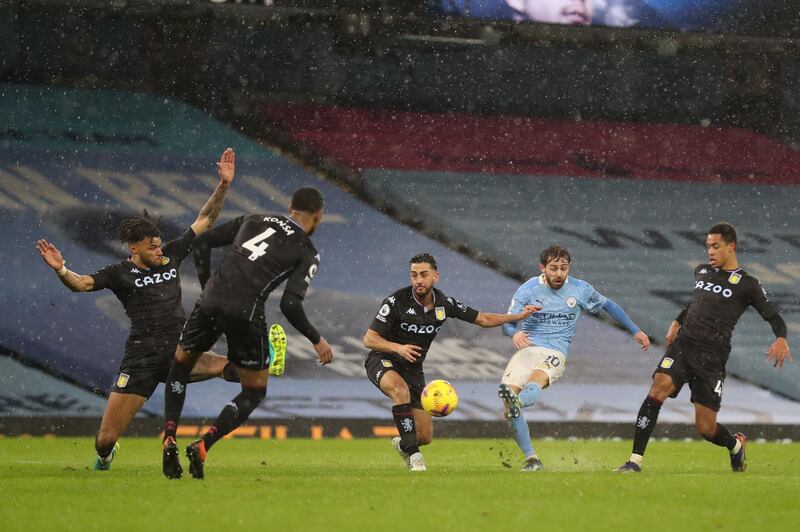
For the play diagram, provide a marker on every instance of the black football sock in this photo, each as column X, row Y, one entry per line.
column 404, row 420
column 174, row 396
column 645, row 422
column 234, row 414
column 723, row 438
column 105, row 450
column 229, row 372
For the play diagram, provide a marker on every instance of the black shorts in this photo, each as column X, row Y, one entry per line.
column 248, row 344
column 142, row 369
column 377, row 364
column 703, row 369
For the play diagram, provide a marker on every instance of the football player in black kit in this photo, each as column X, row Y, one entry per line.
column 399, row 338
column 698, row 343
column 149, row 288
column 266, row 250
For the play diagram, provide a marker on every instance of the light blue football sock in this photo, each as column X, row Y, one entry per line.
column 529, row 394
column 522, row 434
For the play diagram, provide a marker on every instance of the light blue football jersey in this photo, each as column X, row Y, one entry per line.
column 554, row 325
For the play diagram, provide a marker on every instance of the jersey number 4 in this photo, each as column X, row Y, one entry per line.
column 256, row 245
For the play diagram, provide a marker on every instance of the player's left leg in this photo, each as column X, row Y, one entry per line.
column 707, row 426
column 236, row 412
column 529, row 371
column 120, row 410
column 424, row 424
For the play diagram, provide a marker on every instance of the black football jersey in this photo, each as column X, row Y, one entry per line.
column 718, row 301
column 402, row 319
column 266, row 250
column 151, row 296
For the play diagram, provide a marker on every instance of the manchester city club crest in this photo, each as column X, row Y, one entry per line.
column 440, row 313
column 571, row 302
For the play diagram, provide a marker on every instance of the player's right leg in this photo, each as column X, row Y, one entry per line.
column 395, row 387
column 662, row 387
column 199, row 333
column 120, row 410
column 383, row 371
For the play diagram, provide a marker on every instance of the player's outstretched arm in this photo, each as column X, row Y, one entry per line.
column 52, row 257
column 490, row 319
column 373, row 340
column 779, row 352
column 226, row 168
column 616, row 312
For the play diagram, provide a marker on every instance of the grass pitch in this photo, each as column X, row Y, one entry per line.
column 295, row 484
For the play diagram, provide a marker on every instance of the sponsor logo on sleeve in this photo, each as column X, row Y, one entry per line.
column 384, row 311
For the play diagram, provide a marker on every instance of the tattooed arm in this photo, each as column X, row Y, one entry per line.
column 210, row 211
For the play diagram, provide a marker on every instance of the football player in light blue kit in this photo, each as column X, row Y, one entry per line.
column 542, row 340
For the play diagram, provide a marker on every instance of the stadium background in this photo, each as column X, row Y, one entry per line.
column 479, row 140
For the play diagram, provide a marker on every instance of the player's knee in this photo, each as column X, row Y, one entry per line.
column 254, row 395
column 424, row 438
column 398, row 392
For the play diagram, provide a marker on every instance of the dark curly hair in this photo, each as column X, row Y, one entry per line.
column 138, row 228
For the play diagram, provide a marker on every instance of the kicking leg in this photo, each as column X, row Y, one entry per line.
column 120, row 410
column 661, row 388
column 514, row 399
column 236, row 412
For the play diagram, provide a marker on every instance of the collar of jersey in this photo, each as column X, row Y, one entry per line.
column 135, row 266
column 420, row 304
column 295, row 223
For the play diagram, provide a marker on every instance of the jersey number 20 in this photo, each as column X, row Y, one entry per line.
column 256, row 245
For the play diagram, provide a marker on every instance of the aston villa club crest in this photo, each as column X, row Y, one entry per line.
column 735, row 278
column 164, row 261
column 122, row 380
column 440, row 313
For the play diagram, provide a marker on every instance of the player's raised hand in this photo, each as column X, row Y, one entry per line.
column 50, row 254
column 409, row 352
column 779, row 352
column 642, row 339
column 672, row 333
column 226, row 166
column 521, row 340
column 324, row 351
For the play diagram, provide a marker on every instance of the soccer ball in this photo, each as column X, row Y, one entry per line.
column 439, row 398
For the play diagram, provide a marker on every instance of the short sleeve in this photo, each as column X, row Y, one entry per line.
column 460, row 311
column 386, row 317
column 301, row 276
column 179, row 248
column 520, row 299
column 590, row 299
column 106, row 278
